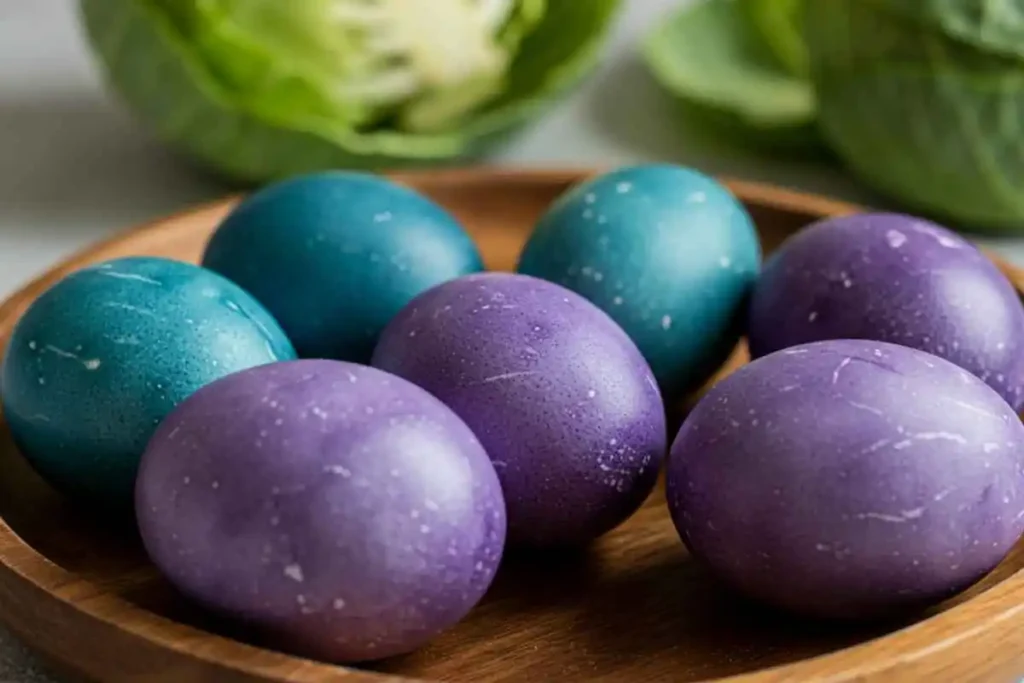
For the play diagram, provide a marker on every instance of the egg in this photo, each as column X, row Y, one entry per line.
column 559, row 396
column 849, row 479
column 895, row 278
column 334, row 255
column 669, row 253
column 100, row 358
column 344, row 513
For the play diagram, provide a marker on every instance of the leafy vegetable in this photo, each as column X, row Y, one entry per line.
column 924, row 100
column 779, row 23
column 713, row 56
column 260, row 89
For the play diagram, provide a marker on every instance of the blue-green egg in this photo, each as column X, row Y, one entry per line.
column 669, row 253
column 335, row 255
column 101, row 357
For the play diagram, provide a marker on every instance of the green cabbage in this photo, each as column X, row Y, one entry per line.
column 924, row 100
column 740, row 64
column 261, row 89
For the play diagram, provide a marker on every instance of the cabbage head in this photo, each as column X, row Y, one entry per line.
column 924, row 100
column 262, row 89
column 741, row 66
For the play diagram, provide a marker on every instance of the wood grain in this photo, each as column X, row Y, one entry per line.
column 633, row 608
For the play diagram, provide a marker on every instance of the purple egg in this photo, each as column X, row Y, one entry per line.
column 343, row 511
column 849, row 479
column 561, row 399
column 894, row 278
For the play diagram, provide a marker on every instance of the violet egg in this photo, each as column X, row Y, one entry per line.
column 893, row 278
column 344, row 512
column 849, row 479
column 560, row 397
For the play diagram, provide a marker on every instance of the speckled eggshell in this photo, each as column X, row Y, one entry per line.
column 334, row 255
column 667, row 252
column 893, row 278
column 560, row 397
column 103, row 355
column 849, row 479
column 343, row 511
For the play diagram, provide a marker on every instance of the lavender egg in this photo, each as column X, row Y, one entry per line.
column 849, row 479
column 560, row 397
column 894, row 278
column 344, row 512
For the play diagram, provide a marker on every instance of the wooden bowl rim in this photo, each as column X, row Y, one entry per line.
column 1001, row 606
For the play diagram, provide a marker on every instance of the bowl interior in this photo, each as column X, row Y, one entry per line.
column 634, row 607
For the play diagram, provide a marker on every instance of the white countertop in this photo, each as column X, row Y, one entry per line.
column 74, row 167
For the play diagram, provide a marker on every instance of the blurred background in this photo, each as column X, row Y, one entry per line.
column 719, row 85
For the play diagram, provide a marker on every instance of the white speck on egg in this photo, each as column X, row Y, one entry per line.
column 215, row 484
column 617, row 301
column 697, row 197
column 666, row 322
column 338, row 603
column 32, row 345
column 591, row 394
column 812, row 316
column 382, row 217
column 623, row 188
column 895, row 238
column 294, row 572
column 590, row 198
column 725, row 262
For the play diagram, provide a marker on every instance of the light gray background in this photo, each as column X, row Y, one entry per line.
column 74, row 167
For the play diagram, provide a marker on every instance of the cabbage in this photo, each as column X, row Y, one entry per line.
column 261, row 89
column 924, row 100
column 740, row 64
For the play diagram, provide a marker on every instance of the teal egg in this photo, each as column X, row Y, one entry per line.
column 103, row 356
column 669, row 253
column 334, row 256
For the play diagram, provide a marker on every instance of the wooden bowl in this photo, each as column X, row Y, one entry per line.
column 633, row 609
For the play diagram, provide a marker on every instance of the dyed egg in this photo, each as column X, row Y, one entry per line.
column 849, row 479
column 559, row 396
column 333, row 256
column 667, row 252
column 346, row 513
column 100, row 358
column 893, row 278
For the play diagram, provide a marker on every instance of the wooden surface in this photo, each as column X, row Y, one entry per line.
column 633, row 609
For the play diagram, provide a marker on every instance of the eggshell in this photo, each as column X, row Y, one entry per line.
column 893, row 278
column 103, row 355
column 849, row 479
column 333, row 256
column 667, row 252
column 345, row 512
column 560, row 397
